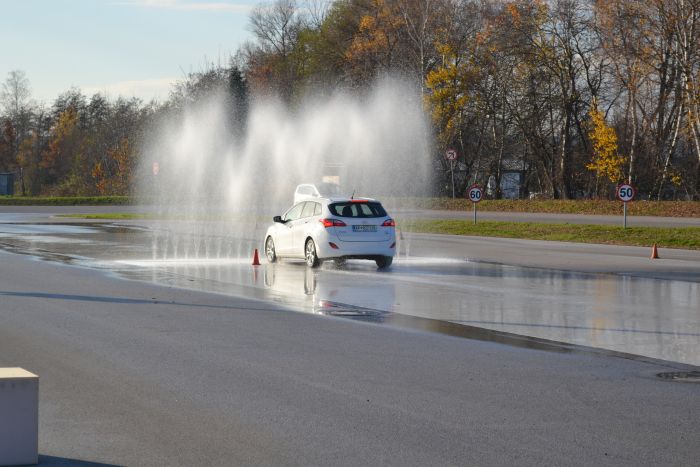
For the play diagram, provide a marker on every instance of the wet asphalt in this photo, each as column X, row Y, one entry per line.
column 176, row 367
column 134, row 373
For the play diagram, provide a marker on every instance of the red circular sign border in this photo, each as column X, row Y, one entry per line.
column 617, row 192
column 480, row 189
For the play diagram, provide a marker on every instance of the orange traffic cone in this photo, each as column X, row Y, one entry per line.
column 654, row 252
column 256, row 259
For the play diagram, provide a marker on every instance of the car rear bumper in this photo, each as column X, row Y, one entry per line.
column 356, row 250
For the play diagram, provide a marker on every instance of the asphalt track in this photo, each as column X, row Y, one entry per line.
column 137, row 374
column 134, row 373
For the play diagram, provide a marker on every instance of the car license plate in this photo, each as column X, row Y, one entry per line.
column 364, row 228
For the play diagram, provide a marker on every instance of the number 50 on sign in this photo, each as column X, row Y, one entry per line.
column 626, row 193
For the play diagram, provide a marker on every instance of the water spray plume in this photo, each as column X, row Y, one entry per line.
column 216, row 185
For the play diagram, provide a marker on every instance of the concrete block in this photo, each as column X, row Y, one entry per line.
column 19, row 417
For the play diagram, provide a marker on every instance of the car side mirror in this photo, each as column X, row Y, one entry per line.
column 278, row 219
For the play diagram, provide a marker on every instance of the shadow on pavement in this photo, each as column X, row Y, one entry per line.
column 63, row 461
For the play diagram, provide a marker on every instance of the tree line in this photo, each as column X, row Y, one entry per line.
column 575, row 96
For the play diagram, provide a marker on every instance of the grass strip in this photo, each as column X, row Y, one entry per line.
column 674, row 237
column 67, row 201
column 592, row 207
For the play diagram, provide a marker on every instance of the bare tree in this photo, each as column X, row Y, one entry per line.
column 422, row 21
column 317, row 12
column 15, row 94
column 15, row 101
column 277, row 27
column 685, row 15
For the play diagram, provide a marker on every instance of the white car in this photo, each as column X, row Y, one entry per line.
column 311, row 191
column 333, row 228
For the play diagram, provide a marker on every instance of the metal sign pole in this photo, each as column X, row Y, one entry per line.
column 452, row 170
column 475, row 194
column 624, row 215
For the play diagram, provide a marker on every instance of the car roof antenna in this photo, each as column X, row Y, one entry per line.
column 353, row 195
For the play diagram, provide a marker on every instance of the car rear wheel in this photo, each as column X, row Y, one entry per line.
column 270, row 250
column 310, row 254
column 384, row 262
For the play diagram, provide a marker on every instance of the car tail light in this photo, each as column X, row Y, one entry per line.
column 333, row 245
column 389, row 223
column 358, row 201
column 332, row 223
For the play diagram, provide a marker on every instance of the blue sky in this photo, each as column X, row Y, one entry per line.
column 127, row 47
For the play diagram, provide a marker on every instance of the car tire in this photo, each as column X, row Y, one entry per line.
column 384, row 262
column 270, row 253
column 310, row 255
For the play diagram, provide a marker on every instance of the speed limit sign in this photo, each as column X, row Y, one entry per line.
column 475, row 194
column 626, row 192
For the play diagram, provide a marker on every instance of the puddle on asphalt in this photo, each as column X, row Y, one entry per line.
column 533, row 308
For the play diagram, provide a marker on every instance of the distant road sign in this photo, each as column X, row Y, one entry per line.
column 475, row 194
column 626, row 192
column 450, row 154
column 156, row 168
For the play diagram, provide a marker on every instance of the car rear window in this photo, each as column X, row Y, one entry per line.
column 357, row 209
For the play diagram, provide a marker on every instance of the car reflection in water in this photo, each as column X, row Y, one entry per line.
column 331, row 293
